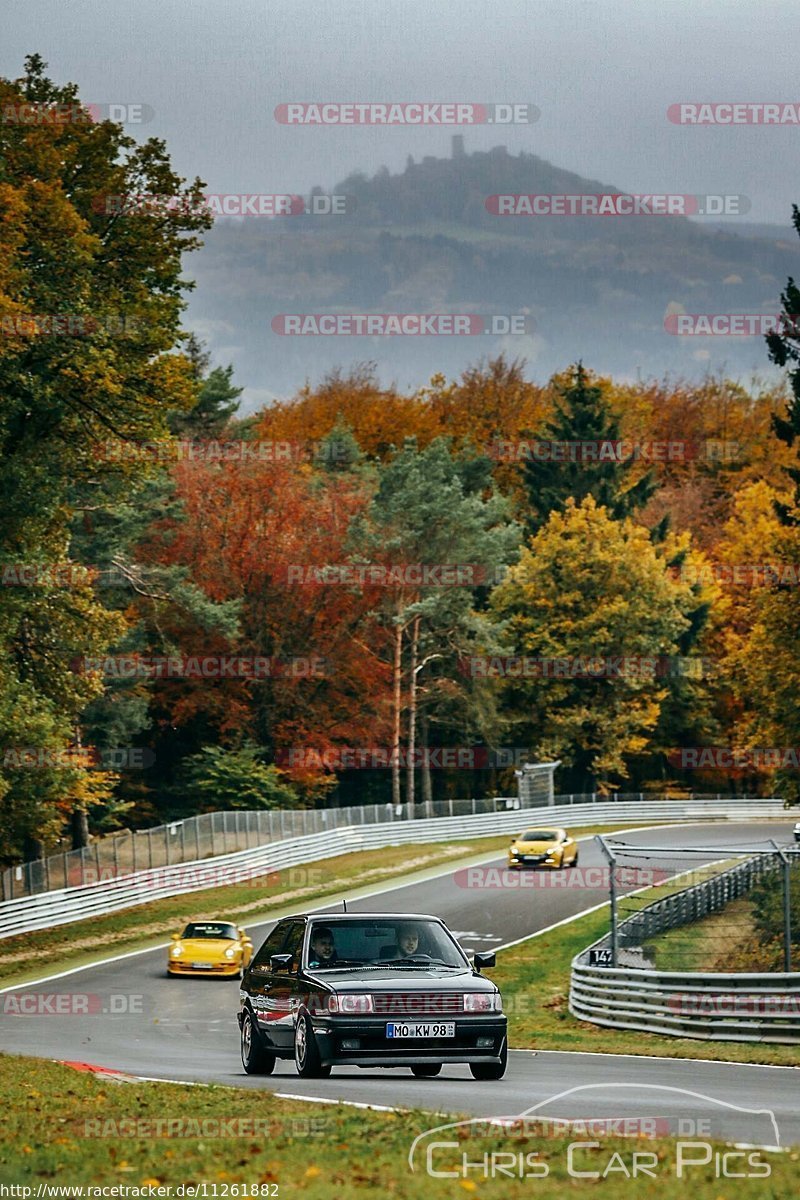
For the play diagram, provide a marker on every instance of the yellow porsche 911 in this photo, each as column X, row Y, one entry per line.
column 209, row 948
column 543, row 848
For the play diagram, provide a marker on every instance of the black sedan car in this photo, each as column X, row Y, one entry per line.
column 370, row 990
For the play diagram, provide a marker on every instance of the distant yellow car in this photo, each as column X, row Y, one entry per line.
column 209, row 948
column 543, row 848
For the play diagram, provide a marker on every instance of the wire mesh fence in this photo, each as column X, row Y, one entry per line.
column 211, row 834
column 730, row 910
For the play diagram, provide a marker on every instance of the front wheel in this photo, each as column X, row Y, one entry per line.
column 426, row 1070
column 306, row 1052
column 491, row 1070
column 575, row 860
column 255, row 1059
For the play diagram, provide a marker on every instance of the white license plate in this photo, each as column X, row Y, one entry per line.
column 421, row 1029
column 203, row 966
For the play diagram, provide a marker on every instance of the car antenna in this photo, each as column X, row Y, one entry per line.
column 344, row 906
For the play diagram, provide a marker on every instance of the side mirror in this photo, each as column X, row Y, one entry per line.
column 485, row 958
column 280, row 962
column 176, row 937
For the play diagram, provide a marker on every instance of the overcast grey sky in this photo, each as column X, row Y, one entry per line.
column 602, row 72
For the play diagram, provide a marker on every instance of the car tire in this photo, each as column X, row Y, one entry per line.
column 426, row 1070
column 491, row 1070
column 306, row 1051
column 574, row 862
column 256, row 1060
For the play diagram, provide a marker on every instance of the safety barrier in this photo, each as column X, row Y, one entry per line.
column 713, row 1006
column 64, row 905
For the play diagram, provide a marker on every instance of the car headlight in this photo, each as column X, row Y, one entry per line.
column 230, row 952
column 482, row 1002
column 362, row 1003
column 176, row 950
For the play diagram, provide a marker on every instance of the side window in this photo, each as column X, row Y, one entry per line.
column 294, row 942
column 272, row 945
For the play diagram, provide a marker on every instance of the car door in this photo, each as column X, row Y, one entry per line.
column 259, row 979
column 284, row 991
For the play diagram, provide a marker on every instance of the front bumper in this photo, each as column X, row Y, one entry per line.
column 226, row 970
column 533, row 860
column 375, row 1049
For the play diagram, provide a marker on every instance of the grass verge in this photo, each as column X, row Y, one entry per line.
column 74, row 1130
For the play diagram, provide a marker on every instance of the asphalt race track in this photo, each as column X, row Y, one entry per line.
column 145, row 1024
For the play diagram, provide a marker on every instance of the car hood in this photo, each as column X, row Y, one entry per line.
column 382, row 979
column 206, row 946
column 535, row 847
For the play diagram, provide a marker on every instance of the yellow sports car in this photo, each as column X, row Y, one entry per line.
column 209, row 948
column 543, row 848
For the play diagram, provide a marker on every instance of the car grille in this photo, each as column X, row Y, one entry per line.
column 413, row 1003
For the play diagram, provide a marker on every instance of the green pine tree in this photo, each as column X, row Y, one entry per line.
column 582, row 415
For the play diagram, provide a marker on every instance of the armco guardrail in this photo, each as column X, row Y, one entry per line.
column 109, row 895
column 713, row 1006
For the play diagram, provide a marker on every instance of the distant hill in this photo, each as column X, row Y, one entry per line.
column 422, row 241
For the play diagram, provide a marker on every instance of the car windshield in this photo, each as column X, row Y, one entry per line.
column 333, row 945
column 539, row 835
column 210, row 929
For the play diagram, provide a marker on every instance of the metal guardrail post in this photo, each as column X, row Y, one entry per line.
column 612, row 895
column 787, row 905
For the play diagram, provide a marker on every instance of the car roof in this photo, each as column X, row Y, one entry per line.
column 557, row 828
column 362, row 916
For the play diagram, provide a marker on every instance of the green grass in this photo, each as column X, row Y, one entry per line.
column 28, row 956
column 70, row 1129
column 706, row 945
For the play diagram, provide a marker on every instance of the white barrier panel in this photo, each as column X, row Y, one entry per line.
column 110, row 895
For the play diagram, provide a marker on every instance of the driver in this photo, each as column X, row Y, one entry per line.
column 322, row 951
column 408, row 940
